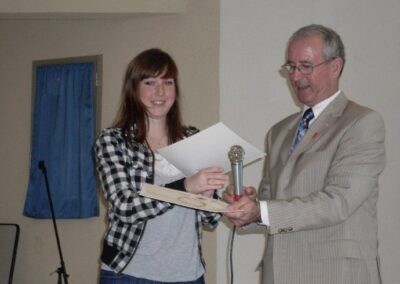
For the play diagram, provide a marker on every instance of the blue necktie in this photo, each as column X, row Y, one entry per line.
column 302, row 129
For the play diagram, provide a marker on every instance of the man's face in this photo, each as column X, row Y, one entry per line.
column 323, row 81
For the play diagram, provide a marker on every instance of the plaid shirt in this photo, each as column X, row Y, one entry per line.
column 123, row 167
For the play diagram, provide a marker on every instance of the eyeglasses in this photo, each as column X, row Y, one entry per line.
column 304, row 68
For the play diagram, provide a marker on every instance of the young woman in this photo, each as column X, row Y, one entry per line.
column 150, row 241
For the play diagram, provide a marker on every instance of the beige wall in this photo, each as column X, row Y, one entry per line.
column 193, row 40
column 254, row 96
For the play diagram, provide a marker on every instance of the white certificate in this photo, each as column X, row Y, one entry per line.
column 183, row 198
column 208, row 148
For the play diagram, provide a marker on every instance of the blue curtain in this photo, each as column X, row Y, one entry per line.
column 63, row 136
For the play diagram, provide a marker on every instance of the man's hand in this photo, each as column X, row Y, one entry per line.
column 244, row 211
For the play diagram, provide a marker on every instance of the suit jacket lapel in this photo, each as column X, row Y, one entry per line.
column 287, row 142
column 321, row 125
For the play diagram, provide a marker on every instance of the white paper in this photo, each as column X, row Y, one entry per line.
column 208, row 148
column 183, row 198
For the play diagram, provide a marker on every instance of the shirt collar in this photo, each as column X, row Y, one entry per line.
column 318, row 108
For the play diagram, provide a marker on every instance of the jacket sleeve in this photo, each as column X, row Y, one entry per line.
column 122, row 174
column 209, row 219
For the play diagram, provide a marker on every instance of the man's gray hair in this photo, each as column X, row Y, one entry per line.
column 333, row 45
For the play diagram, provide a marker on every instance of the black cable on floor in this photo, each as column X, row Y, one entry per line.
column 231, row 253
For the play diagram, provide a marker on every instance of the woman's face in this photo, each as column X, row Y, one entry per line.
column 157, row 95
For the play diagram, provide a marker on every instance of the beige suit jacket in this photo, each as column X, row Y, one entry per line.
column 322, row 198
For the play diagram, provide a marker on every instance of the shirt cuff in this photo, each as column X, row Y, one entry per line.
column 264, row 213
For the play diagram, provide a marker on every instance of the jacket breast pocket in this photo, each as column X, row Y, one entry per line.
column 315, row 161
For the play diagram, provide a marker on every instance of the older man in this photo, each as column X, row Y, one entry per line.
column 320, row 187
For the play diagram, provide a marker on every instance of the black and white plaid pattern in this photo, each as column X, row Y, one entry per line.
column 123, row 168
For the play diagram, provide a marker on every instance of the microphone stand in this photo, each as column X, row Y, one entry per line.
column 61, row 271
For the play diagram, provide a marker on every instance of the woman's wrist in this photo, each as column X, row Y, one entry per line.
column 186, row 184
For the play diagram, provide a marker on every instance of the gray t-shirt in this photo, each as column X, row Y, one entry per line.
column 168, row 249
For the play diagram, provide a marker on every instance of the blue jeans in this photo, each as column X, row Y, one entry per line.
column 110, row 277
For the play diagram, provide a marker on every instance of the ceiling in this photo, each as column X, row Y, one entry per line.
column 87, row 9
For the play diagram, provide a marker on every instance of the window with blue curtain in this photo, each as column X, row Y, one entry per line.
column 63, row 133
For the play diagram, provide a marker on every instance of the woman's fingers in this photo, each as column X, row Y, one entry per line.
column 211, row 178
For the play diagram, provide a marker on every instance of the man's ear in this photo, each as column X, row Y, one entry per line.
column 336, row 66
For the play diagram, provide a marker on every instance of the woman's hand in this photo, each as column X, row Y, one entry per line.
column 206, row 181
